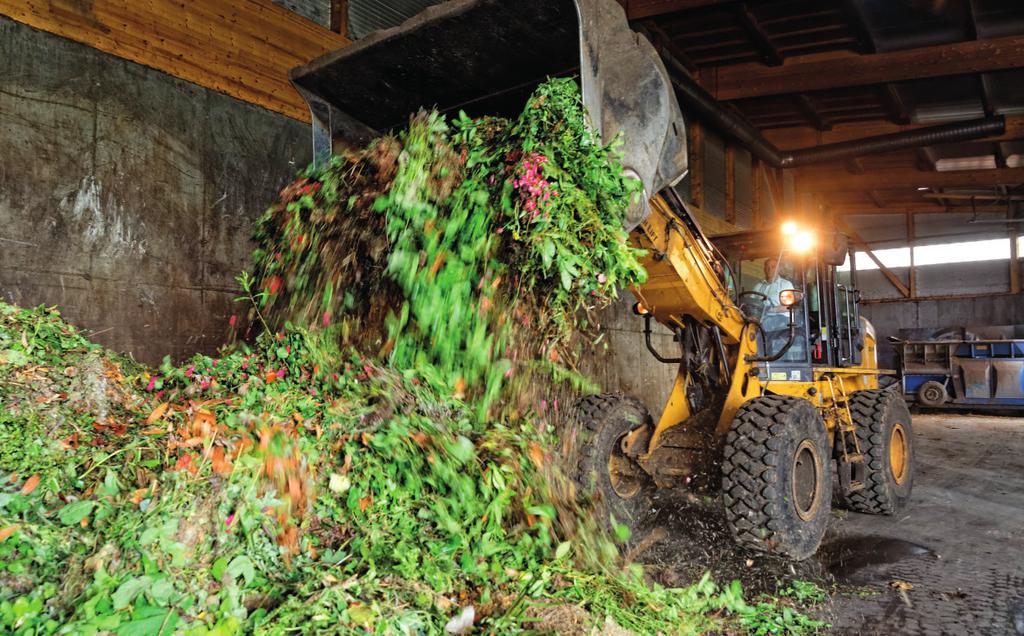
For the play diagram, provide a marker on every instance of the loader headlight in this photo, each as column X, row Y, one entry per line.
column 790, row 297
column 798, row 239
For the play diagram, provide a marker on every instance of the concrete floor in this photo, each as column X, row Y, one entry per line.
column 953, row 561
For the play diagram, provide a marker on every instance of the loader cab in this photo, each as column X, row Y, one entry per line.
column 827, row 331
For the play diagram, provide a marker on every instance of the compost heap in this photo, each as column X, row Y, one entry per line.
column 378, row 458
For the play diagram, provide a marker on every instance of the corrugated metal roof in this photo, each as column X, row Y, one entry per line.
column 318, row 11
column 367, row 16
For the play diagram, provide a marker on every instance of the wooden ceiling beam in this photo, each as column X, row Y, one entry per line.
column 893, row 104
column 904, row 178
column 769, row 54
column 803, row 136
column 242, row 48
column 639, row 9
column 811, row 113
column 800, row 76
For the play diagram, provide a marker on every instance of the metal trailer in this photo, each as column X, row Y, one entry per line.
column 964, row 373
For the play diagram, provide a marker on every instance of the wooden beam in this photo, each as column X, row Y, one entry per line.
column 730, row 183
column 696, row 149
column 912, row 272
column 757, row 193
column 664, row 44
column 807, row 108
column 854, row 166
column 876, row 198
column 775, row 188
column 905, row 178
column 1015, row 262
column 893, row 103
column 339, row 17
column 855, row 16
column 862, row 245
column 769, row 54
column 639, row 9
column 811, row 74
column 243, row 48
column 794, row 137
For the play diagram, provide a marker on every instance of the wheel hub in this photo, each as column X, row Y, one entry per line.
column 898, row 453
column 624, row 474
column 806, row 471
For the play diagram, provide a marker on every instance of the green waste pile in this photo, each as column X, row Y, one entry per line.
column 379, row 458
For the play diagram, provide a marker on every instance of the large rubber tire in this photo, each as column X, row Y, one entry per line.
column 604, row 420
column 777, row 476
column 883, row 422
column 932, row 393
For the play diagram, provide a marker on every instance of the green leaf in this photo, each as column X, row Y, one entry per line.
column 463, row 450
column 128, row 590
column 219, row 567
column 74, row 512
column 13, row 357
column 563, row 549
column 152, row 621
column 242, row 566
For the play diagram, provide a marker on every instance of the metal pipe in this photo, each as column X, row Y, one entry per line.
column 931, row 136
column 706, row 108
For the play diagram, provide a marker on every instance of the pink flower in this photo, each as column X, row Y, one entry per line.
column 280, row 373
column 500, row 230
column 190, row 371
column 245, row 365
column 508, row 373
column 326, row 320
column 543, row 405
column 152, row 384
column 229, row 520
column 233, row 320
column 602, row 279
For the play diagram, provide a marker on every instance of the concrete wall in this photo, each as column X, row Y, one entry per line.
column 919, row 319
column 127, row 196
column 621, row 361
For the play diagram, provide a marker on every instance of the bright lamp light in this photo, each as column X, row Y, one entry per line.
column 801, row 241
column 789, row 228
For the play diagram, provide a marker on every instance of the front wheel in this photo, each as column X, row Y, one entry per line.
column 777, row 476
column 887, row 444
column 604, row 472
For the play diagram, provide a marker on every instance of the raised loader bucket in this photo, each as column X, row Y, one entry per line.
column 486, row 57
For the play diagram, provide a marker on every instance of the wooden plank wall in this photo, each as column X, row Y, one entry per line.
column 243, row 48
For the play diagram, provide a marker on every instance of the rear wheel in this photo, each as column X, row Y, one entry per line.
column 886, row 440
column 776, row 476
column 932, row 393
column 604, row 471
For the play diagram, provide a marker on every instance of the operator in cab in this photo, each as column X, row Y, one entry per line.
column 772, row 284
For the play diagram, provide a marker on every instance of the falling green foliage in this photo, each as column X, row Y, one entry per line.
column 373, row 460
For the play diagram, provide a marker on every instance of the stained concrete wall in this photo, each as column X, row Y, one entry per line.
column 620, row 361
column 127, row 196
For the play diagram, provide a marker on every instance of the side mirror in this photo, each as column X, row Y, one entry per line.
column 788, row 298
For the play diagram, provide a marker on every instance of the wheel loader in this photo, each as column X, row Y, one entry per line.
column 777, row 389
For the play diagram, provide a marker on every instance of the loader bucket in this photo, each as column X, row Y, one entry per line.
column 486, row 57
